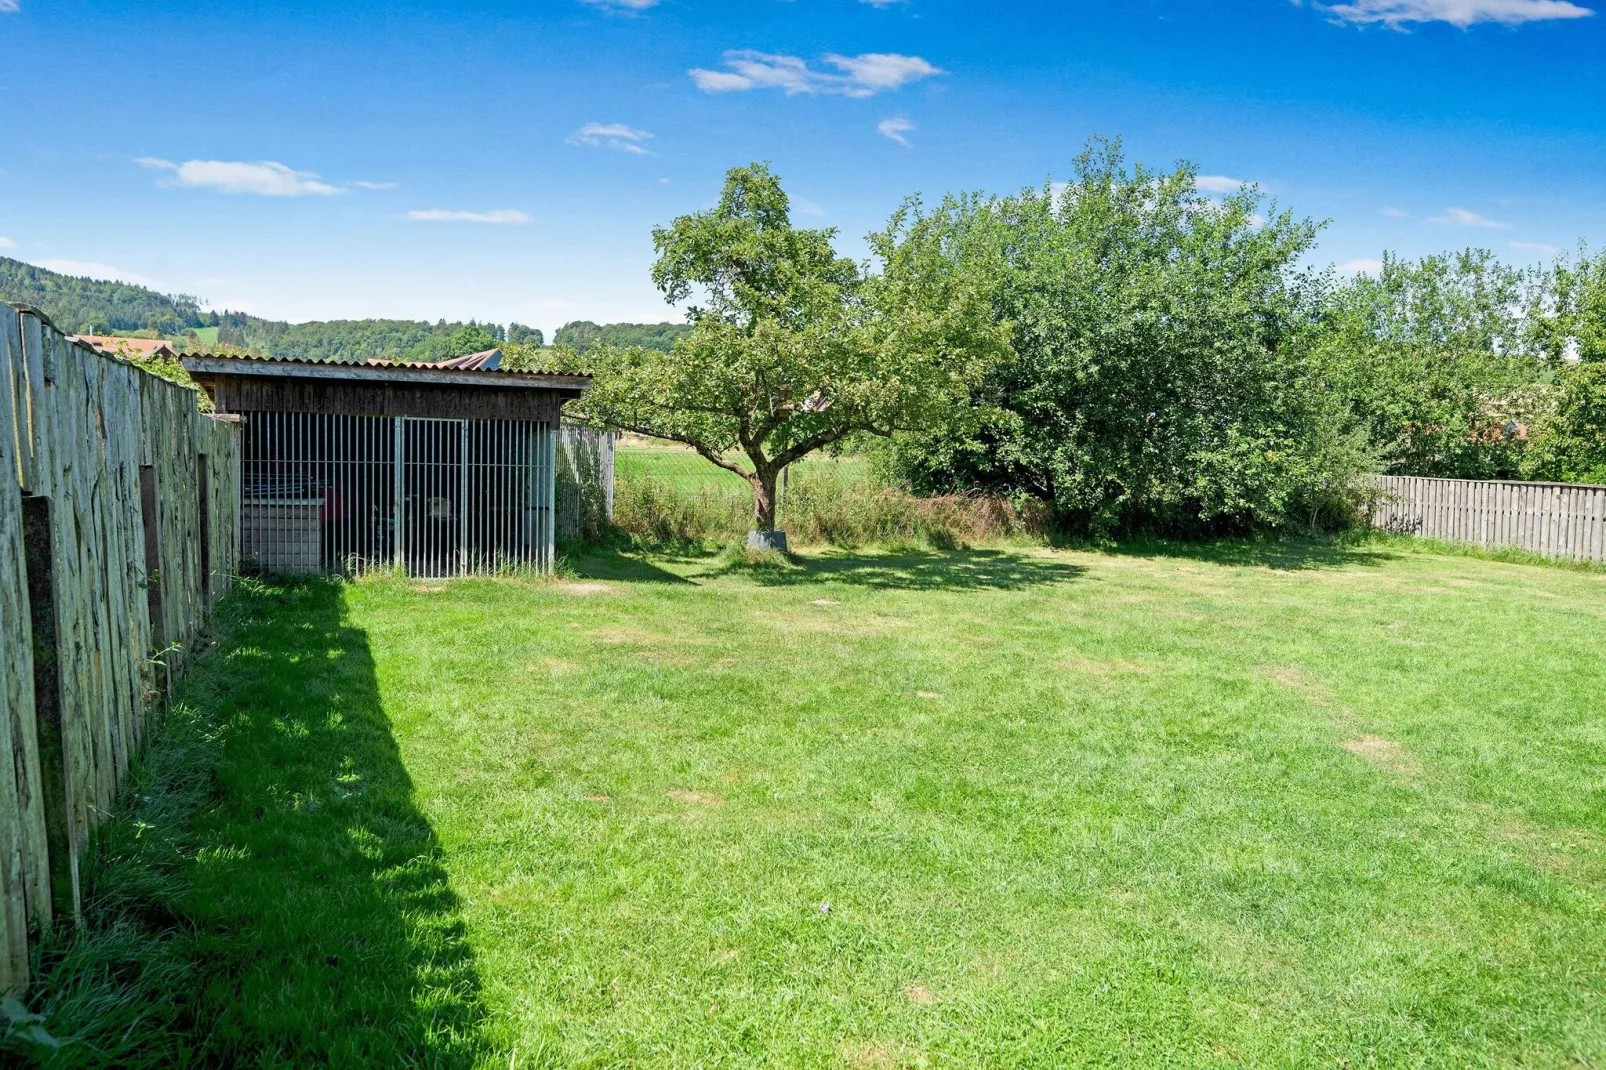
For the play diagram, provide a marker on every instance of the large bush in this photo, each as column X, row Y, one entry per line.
column 1569, row 442
column 1158, row 379
column 1438, row 361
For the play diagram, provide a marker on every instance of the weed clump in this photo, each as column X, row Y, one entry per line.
column 824, row 508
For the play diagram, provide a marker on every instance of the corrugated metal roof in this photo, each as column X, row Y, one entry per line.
column 488, row 361
column 227, row 363
column 455, row 364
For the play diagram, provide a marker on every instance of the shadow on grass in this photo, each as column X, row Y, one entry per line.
column 609, row 563
column 1282, row 554
column 276, row 868
column 918, row 570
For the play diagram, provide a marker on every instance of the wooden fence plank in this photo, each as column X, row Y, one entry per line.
column 75, row 427
column 1566, row 521
column 24, row 894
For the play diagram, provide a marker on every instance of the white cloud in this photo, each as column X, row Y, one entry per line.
column 93, row 269
column 9, row 7
column 882, row 3
column 446, row 215
column 1359, row 267
column 863, row 75
column 7, row 243
column 1535, row 247
column 1461, row 217
column 625, row 5
column 804, row 206
column 1219, row 183
column 895, row 128
column 1397, row 14
column 611, row 136
column 267, row 178
column 1394, row 213
column 360, row 184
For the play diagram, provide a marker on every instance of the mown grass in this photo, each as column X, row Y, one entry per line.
column 270, row 895
column 1247, row 804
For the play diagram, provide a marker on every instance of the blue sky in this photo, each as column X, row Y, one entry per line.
column 507, row 161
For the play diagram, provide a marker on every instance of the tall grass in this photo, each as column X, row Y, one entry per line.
column 827, row 505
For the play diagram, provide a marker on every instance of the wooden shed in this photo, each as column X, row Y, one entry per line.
column 442, row 471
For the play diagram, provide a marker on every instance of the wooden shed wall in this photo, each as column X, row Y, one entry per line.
column 247, row 393
column 75, row 429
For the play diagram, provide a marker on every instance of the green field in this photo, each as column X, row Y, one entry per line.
column 1210, row 807
column 686, row 471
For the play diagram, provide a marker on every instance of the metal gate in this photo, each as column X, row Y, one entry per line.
column 434, row 497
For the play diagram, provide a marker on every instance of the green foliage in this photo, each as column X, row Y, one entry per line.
column 1157, row 378
column 470, row 338
column 1434, row 359
column 90, row 306
column 1568, row 444
column 519, row 334
column 824, row 503
column 792, row 349
column 355, row 340
column 1572, row 317
column 664, row 513
column 583, row 335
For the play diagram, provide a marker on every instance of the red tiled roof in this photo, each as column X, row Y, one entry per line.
column 131, row 347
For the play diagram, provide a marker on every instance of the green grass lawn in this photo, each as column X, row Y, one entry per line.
column 1207, row 807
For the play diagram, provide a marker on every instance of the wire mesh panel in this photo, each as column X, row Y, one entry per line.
column 343, row 493
column 510, row 473
column 432, row 497
column 315, row 493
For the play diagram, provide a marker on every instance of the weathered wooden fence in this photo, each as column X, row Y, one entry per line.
column 585, row 478
column 118, row 530
column 1566, row 520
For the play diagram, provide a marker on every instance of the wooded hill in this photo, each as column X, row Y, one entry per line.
column 98, row 306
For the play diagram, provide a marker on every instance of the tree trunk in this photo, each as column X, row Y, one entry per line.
column 764, row 500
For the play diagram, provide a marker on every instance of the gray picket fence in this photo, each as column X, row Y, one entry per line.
column 1562, row 520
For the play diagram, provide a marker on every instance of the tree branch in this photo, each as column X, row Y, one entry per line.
column 809, row 445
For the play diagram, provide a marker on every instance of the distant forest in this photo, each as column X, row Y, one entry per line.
column 94, row 306
column 582, row 335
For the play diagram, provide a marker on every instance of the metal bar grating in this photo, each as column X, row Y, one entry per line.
column 335, row 493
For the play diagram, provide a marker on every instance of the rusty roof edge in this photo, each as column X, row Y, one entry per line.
column 206, row 363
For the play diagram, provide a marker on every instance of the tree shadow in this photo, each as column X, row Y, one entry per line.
column 1289, row 554
column 917, row 570
column 315, row 921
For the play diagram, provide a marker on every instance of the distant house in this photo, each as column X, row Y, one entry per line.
column 143, row 348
